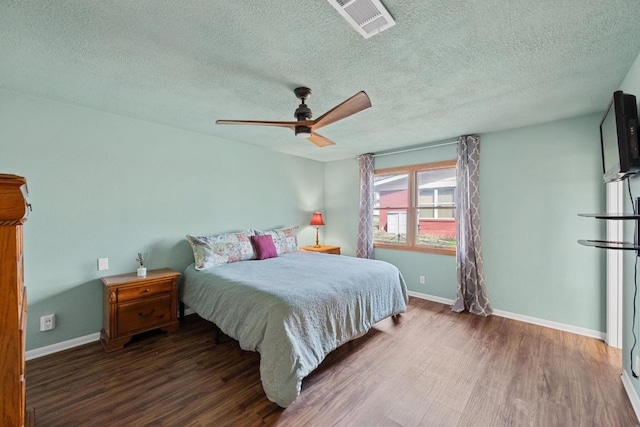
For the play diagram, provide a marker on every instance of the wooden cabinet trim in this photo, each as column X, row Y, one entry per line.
column 13, row 301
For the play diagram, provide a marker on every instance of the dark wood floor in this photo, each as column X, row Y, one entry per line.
column 430, row 367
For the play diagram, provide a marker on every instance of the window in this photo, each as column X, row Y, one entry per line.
column 414, row 207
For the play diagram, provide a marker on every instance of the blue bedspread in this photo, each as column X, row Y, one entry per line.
column 294, row 309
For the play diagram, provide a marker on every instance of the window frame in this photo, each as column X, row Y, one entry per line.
column 413, row 206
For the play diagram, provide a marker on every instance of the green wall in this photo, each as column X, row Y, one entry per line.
column 631, row 84
column 108, row 186
column 533, row 182
column 342, row 198
column 102, row 185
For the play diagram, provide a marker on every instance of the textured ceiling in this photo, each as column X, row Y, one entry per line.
column 447, row 68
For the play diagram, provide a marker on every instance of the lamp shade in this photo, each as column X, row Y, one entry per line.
column 316, row 219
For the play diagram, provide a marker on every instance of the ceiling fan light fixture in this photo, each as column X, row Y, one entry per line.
column 303, row 131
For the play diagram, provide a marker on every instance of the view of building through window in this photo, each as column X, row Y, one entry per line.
column 415, row 207
column 391, row 197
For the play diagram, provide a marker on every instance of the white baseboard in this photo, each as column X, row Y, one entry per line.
column 522, row 318
column 430, row 297
column 64, row 345
column 75, row 342
column 631, row 392
column 551, row 324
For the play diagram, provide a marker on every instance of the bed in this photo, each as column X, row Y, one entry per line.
column 294, row 309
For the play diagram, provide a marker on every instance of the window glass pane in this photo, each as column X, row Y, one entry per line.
column 445, row 197
column 391, row 191
column 441, row 183
column 391, row 226
column 438, row 232
column 429, row 210
column 445, row 213
column 425, row 213
column 426, row 197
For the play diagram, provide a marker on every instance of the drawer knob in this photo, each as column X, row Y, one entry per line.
column 143, row 315
column 146, row 290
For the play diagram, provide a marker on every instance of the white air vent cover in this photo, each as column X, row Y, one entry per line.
column 368, row 17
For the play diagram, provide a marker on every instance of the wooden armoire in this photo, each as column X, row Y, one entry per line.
column 13, row 302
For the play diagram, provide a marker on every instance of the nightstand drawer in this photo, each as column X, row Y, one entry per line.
column 143, row 314
column 144, row 291
column 324, row 249
column 333, row 251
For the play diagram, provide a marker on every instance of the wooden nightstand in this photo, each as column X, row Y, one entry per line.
column 325, row 249
column 133, row 304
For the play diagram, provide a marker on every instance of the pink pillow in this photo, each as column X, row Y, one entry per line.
column 264, row 246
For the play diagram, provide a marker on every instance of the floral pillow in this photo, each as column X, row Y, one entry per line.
column 284, row 239
column 209, row 251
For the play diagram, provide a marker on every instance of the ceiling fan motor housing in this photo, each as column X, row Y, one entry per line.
column 302, row 112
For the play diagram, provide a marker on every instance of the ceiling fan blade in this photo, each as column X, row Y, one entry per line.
column 320, row 140
column 265, row 123
column 358, row 102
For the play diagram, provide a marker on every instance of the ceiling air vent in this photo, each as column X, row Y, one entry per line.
column 368, row 17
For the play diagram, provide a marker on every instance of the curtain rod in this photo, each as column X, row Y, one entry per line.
column 415, row 149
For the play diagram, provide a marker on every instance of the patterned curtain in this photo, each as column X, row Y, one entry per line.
column 472, row 294
column 365, row 226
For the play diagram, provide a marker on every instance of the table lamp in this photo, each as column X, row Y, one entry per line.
column 316, row 220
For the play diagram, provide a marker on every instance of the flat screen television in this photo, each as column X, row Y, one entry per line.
column 619, row 138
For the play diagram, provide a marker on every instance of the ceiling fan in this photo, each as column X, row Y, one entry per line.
column 304, row 127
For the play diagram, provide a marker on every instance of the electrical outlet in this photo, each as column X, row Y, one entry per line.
column 636, row 364
column 47, row 322
column 103, row 264
column 422, row 280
